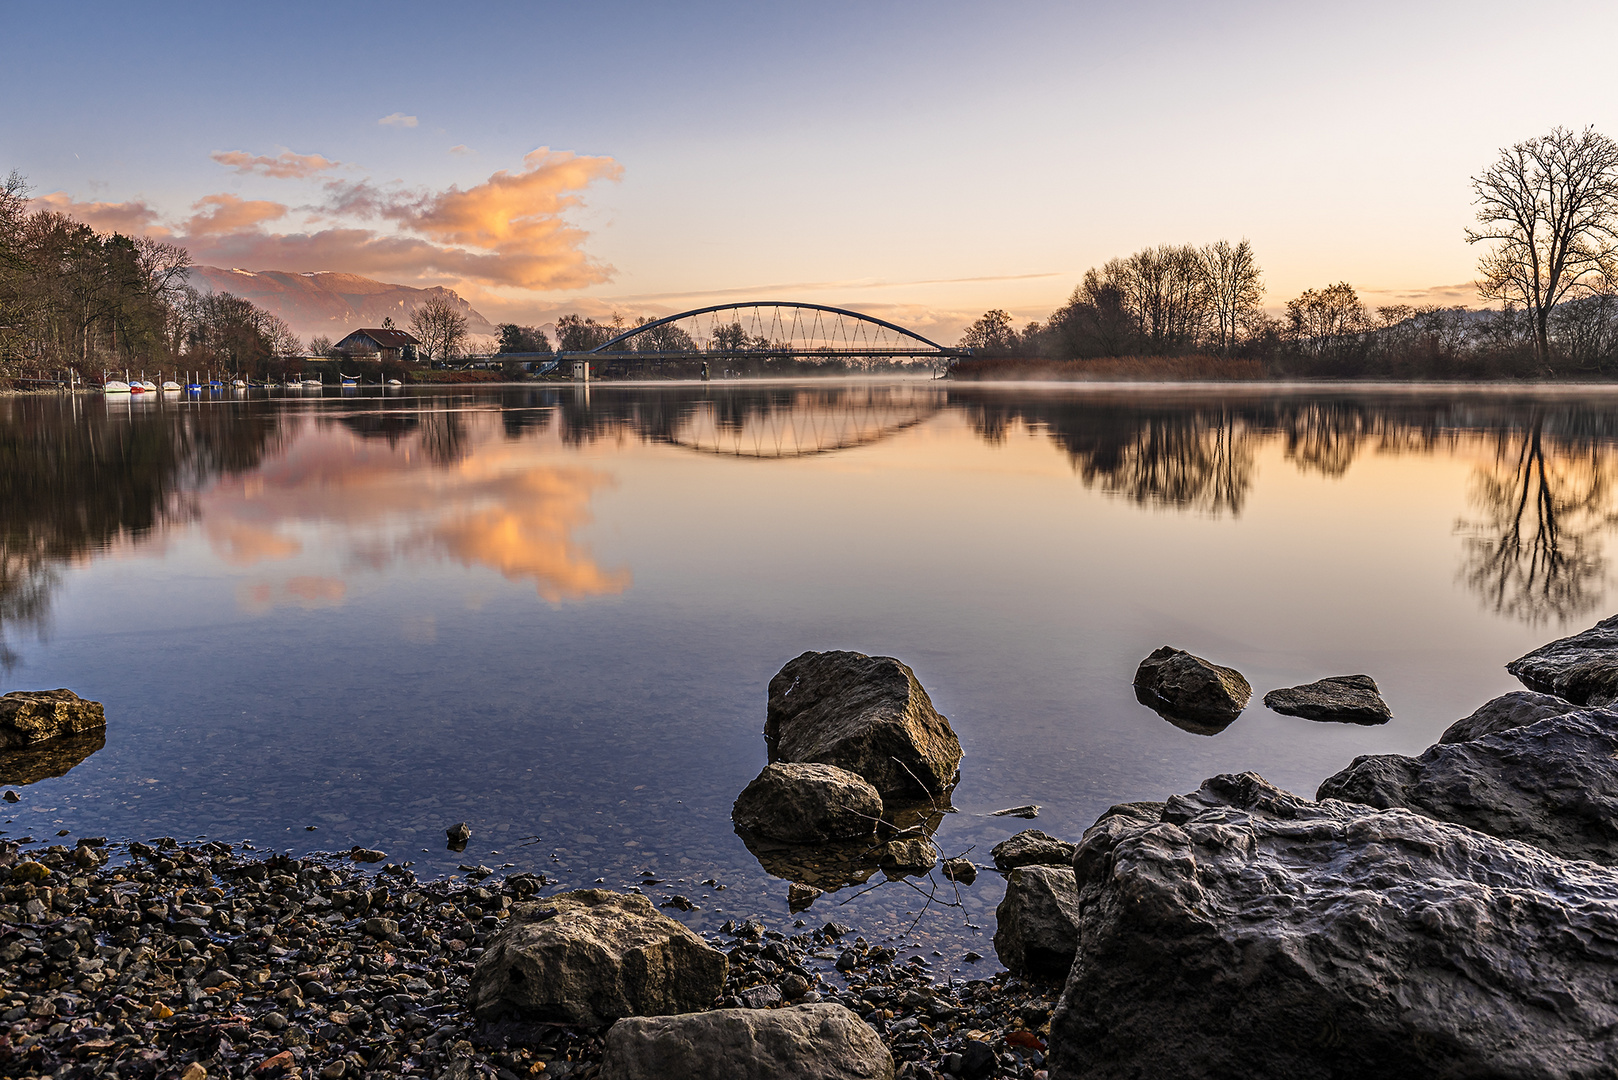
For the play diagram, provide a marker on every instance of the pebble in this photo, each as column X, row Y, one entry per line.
column 198, row 960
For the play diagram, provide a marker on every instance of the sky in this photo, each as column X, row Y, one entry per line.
column 919, row 161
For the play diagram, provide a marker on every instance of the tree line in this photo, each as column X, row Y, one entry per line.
column 75, row 298
column 1547, row 213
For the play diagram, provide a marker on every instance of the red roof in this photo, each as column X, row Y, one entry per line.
column 385, row 339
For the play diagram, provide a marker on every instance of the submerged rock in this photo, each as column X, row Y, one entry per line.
column 1253, row 933
column 1341, row 699
column 821, row 1041
column 592, row 956
column 960, row 870
column 1516, row 709
column 1038, row 922
column 48, row 759
column 28, row 717
column 905, row 857
column 1553, row 784
column 1190, row 692
column 1031, row 847
column 803, row 803
column 1582, row 668
column 866, row 714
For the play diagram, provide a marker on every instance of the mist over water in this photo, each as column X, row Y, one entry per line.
column 552, row 613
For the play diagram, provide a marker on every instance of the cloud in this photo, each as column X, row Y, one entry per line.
column 133, row 218
column 462, row 150
column 305, row 592
column 398, row 120
column 284, row 166
column 509, row 231
column 224, row 214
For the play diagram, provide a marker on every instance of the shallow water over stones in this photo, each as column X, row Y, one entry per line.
column 554, row 615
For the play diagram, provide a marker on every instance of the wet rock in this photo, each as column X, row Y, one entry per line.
column 1038, row 922
column 1582, row 668
column 801, row 1042
column 1190, row 692
column 801, row 896
column 591, row 957
column 1031, row 847
column 961, row 870
column 1553, row 784
column 1341, row 699
column 458, row 834
column 1516, row 709
column 1027, row 810
column 866, row 714
column 28, row 717
column 904, row 857
column 362, row 854
column 804, row 803
column 1254, row 933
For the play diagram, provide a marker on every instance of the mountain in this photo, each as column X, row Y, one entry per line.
column 328, row 303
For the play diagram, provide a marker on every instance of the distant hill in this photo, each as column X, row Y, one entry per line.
column 329, row 303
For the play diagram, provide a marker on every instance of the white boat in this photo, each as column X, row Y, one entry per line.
column 313, row 383
column 115, row 386
column 170, row 386
column 240, row 384
column 148, row 385
column 395, row 382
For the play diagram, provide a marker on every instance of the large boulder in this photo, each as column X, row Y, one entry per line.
column 866, row 714
column 802, row 803
column 1190, row 692
column 1031, row 847
column 1553, row 784
column 1252, row 933
column 1340, row 699
column 1516, row 709
column 1037, row 922
column 1582, row 668
column 800, row 1042
column 591, row 957
column 28, row 717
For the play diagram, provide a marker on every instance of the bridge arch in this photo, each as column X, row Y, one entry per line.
column 771, row 328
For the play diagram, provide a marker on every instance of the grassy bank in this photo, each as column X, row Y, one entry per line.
column 1113, row 369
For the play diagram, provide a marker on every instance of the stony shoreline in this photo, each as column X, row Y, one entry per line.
column 199, row 959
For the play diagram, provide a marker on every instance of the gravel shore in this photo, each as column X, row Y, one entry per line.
column 201, row 959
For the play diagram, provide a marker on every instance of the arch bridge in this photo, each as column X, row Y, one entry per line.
column 765, row 330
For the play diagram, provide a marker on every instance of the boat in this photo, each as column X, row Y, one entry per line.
column 240, row 384
column 116, row 386
column 313, row 383
column 349, row 380
column 170, row 386
column 395, row 382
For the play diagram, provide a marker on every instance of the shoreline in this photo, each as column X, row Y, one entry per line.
column 207, row 959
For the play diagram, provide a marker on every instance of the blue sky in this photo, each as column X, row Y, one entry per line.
column 887, row 156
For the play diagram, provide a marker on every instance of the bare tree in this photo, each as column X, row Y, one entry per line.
column 440, row 325
column 1549, row 208
column 1324, row 320
column 1235, row 287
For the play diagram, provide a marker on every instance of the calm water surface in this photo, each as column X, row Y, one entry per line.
column 553, row 613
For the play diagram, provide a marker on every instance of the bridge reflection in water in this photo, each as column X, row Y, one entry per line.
column 811, row 422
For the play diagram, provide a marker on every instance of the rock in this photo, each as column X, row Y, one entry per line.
column 760, row 997
column 1189, row 692
column 1553, row 784
column 866, row 714
column 961, row 870
column 800, row 1042
column 592, row 956
column 379, row 928
column 793, row 987
column 1341, row 699
column 1582, row 668
column 903, row 857
column 1038, row 922
column 1253, row 933
column 1516, row 709
column 194, row 1071
column 800, row 896
column 28, row 717
column 1032, row 848
column 363, row 854
column 977, row 1060
column 12, row 796
column 457, row 835
column 802, row 803
column 1030, row 810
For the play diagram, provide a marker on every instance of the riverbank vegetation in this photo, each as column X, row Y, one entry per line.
column 1548, row 225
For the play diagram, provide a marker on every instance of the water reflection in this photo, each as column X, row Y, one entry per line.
column 49, row 759
column 459, row 476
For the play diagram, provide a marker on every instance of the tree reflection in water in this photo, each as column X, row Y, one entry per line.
column 1534, row 552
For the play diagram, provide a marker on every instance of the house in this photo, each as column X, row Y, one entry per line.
column 387, row 345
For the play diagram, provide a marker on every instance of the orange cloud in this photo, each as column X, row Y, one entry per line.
column 243, row 544
column 284, row 166
column 221, row 215
column 398, row 120
column 133, row 218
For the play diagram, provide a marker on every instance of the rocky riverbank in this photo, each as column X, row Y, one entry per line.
column 206, row 959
